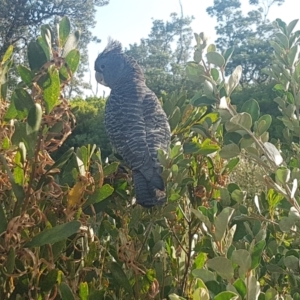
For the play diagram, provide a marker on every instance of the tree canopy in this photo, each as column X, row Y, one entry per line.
column 20, row 21
column 248, row 33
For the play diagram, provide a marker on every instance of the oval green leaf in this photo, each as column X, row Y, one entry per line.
column 54, row 234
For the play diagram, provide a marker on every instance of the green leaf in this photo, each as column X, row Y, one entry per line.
column 105, row 191
column 46, row 33
column 293, row 55
column 22, row 102
column 8, row 53
column 231, row 165
column 271, row 294
column 195, row 72
column 252, row 108
column 207, row 147
column 240, row 286
column 175, row 118
column 239, row 121
column 83, row 291
column 121, row 278
column 200, row 100
column 34, row 119
column 283, row 175
column 243, row 259
column 65, row 292
column 25, row 74
column 62, row 159
column 175, row 297
column 263, row 124
column 72, row 62
column 47, row 281
column 291, row 26
column 216, row 59
column 256, row 254
column 10, row 260
column 215, row 74
column 230, row 151
column 110, row 169
column 36, row 56
column 201, row 294
column 3, row 220
column 71, row 43
column 51, row 89
column 64, row 30
column 227, row 54
column 283, row 40
column 44, row 45
column 204, row 274
column 238, row 196
column 54, row 234
column 226, row 296
column 222, row 265
column 221, row 223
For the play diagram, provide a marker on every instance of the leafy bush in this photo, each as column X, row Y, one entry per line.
column 70, row 228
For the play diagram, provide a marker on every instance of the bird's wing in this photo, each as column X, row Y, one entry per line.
column 126, row 127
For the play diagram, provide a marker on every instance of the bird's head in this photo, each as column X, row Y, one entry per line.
column 113, row 67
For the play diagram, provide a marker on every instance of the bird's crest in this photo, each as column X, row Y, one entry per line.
column 113, row 47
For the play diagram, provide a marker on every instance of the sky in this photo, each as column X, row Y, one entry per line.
column 131, row 20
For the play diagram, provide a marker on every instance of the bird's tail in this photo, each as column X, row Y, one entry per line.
column 147, row 194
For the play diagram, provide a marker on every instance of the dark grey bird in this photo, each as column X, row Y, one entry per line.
column 135, row 122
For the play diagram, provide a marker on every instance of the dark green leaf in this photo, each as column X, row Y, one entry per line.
column 120, row 277
column 54, row 234
column 256, row 254
column 36, row 56
column 252, row 108
column 25, row 74
column 66, row 292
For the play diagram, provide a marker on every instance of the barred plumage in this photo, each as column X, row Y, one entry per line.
column 135, row 122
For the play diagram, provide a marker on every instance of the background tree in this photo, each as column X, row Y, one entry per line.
column 20, row 21
column 249, row 34
column 164, row 53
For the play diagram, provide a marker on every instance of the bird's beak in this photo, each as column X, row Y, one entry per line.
column 100, row 78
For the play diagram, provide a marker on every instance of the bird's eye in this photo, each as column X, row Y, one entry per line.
column 102, row 67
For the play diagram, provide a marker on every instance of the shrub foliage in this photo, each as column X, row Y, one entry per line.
column 69, row 228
